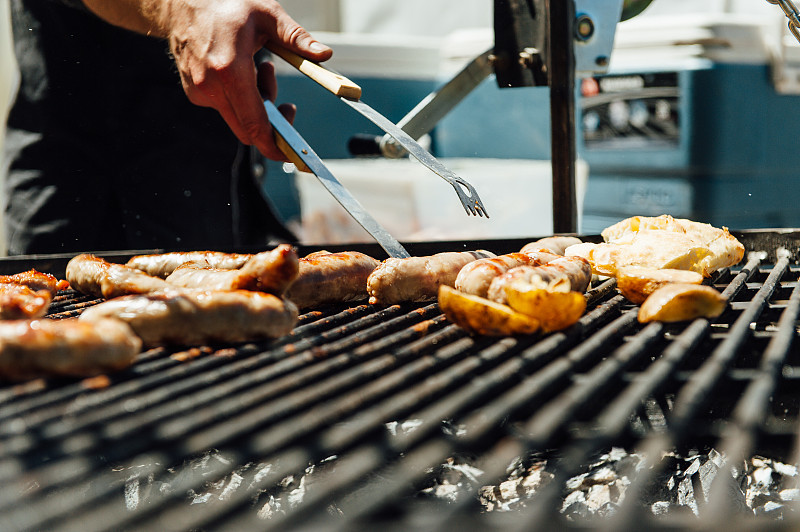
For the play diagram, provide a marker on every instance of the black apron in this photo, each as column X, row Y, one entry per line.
column 104, row 151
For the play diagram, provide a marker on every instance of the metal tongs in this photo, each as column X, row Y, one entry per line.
column 350, row 93
column 302, row 155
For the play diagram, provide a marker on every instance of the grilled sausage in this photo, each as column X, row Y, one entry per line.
column 19, row 301
column 196, row 317
column 476, row 277
column 37, row 348
column 95, row 276
column 577, row 270
column 418, row 278
column 554, row 244
column 270, row 271
column 36, row 280
column 163, row 264
column 331, row 278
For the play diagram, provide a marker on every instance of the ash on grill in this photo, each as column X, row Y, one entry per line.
column 758, row 486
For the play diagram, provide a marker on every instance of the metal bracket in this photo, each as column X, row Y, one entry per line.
column 520, row 49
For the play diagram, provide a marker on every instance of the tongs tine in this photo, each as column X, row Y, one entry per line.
column 472, row 202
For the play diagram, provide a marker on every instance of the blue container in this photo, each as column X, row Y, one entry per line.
column 733, row 161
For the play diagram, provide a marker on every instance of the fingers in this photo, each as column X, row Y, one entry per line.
column 268, row 88
column 288, row 110
column 248, row 106
column 267, row 83
column 214, row 48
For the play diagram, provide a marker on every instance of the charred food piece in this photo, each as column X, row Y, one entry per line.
column 69, row 347
column 19, row 302
column 576, row 271
column 637, row 283
column 476, row 277
column 36, row 280
column 680, row 302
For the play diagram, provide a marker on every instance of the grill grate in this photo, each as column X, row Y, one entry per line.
column 391, row 417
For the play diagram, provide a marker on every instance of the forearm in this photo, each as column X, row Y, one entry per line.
column 142, row 16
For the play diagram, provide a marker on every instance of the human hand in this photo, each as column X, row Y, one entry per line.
column 213, row 43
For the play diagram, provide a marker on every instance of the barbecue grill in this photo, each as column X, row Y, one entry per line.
column 392, row 418
column 369, row 417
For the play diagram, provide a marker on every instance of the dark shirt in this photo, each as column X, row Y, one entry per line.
column 105, row 151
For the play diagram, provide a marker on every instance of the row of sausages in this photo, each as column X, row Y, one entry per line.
column 479, row 273
column 193, row 298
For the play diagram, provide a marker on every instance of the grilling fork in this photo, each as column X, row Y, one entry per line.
column 350, row 93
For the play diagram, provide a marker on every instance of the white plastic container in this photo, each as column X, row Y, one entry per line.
column 414, row 204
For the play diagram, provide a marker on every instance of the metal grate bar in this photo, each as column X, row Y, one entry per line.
column 752, row 409
column 548, row 379
column 696, row 391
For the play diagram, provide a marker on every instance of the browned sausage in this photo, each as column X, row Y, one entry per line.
column 476, row 277
column 576, row 270
column 418, row 278
column 37, row 348
column 195, row 317
column 163, row 264
column 331, row 278
column 270, row 271
column 95, row 276
column 36, row 280
column 554, row 244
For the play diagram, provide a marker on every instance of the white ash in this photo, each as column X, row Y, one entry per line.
column 759, row 486
column 141, row 486
column 404, row 427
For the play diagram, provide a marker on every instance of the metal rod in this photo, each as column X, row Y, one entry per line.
column 561, row 69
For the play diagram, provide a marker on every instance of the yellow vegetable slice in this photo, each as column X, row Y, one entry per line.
column 680, row 302
column 637, row 283
column 481, row 316
column 555, row 307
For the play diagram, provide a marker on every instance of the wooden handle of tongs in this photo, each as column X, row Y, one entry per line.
column 336, row 83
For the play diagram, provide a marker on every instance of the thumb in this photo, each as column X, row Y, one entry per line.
column 294, row 37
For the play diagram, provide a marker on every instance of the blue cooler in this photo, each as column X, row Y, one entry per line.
column 689, row 122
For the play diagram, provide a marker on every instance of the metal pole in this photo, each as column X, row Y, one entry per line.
column 561, row 64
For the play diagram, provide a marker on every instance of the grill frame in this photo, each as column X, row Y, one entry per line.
column 347, row 371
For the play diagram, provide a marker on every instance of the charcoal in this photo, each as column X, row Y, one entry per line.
column 772, row 509
column 792, row 494
column 759, row 485
column 607, row 510
column 575, row 507
column 685, row 495
column 660, row 507
column 577, row 511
